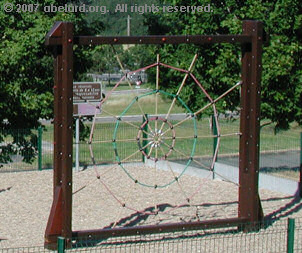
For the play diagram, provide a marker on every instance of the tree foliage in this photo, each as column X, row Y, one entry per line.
column 26, row 74
column 26, row 65
column 115, row 21
column 219, row 65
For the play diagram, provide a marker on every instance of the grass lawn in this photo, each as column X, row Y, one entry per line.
column 126, row 134
column 185, row 144
column 117, row 104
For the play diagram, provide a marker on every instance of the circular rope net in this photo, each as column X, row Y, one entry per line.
column 158, row 142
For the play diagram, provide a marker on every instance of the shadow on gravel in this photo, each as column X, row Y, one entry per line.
column 294, row 206
column 137, row 218
column 4, row 190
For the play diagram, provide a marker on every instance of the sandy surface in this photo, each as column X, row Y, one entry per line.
column 26, row 198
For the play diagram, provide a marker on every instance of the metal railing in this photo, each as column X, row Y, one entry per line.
column 279, row 154
column 272, row 236
column 280, row 236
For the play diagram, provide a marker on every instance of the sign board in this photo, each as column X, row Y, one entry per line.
column 84, row 109
column 86, row 97
column 86, row 91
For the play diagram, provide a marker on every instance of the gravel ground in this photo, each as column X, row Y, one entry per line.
column 26, row 199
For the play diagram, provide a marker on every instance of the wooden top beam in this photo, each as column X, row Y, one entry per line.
column 54, row 33
column 153, row 39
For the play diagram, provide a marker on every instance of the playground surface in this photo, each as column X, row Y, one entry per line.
column 26, row 198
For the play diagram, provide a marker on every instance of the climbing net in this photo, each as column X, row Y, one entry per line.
column 162, row 146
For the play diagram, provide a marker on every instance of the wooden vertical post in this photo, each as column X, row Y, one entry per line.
column 67, row 129
column 59, row 222
column 249, row 201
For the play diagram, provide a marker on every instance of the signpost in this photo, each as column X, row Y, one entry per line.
column 86, row 98
column 86, row 91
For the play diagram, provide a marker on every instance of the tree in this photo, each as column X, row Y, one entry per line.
column 115, row 21
column 26, row 73
column 219, row 67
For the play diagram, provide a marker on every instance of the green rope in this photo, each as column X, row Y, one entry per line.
column 118, row 159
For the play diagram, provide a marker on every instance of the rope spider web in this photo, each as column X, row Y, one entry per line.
column 158, row 140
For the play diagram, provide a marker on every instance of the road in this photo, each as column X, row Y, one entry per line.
column 138, row 118
column 277, row 159
column 138, row 91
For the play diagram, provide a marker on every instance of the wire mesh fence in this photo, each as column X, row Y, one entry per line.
column 279, row 152
column 26, row 149
column 273, row 236
column 36, row 249
column 270, row 237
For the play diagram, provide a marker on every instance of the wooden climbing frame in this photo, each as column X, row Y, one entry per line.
column 61, row 39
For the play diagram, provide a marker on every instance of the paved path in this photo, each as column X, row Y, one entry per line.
column 134, row 90
column 284, row 159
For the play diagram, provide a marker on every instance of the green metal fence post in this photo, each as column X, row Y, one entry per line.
column 40, row 133
column 290, row 235
column 145, row 136
column 214, row 132
column 300, row 182
column 61, row 244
